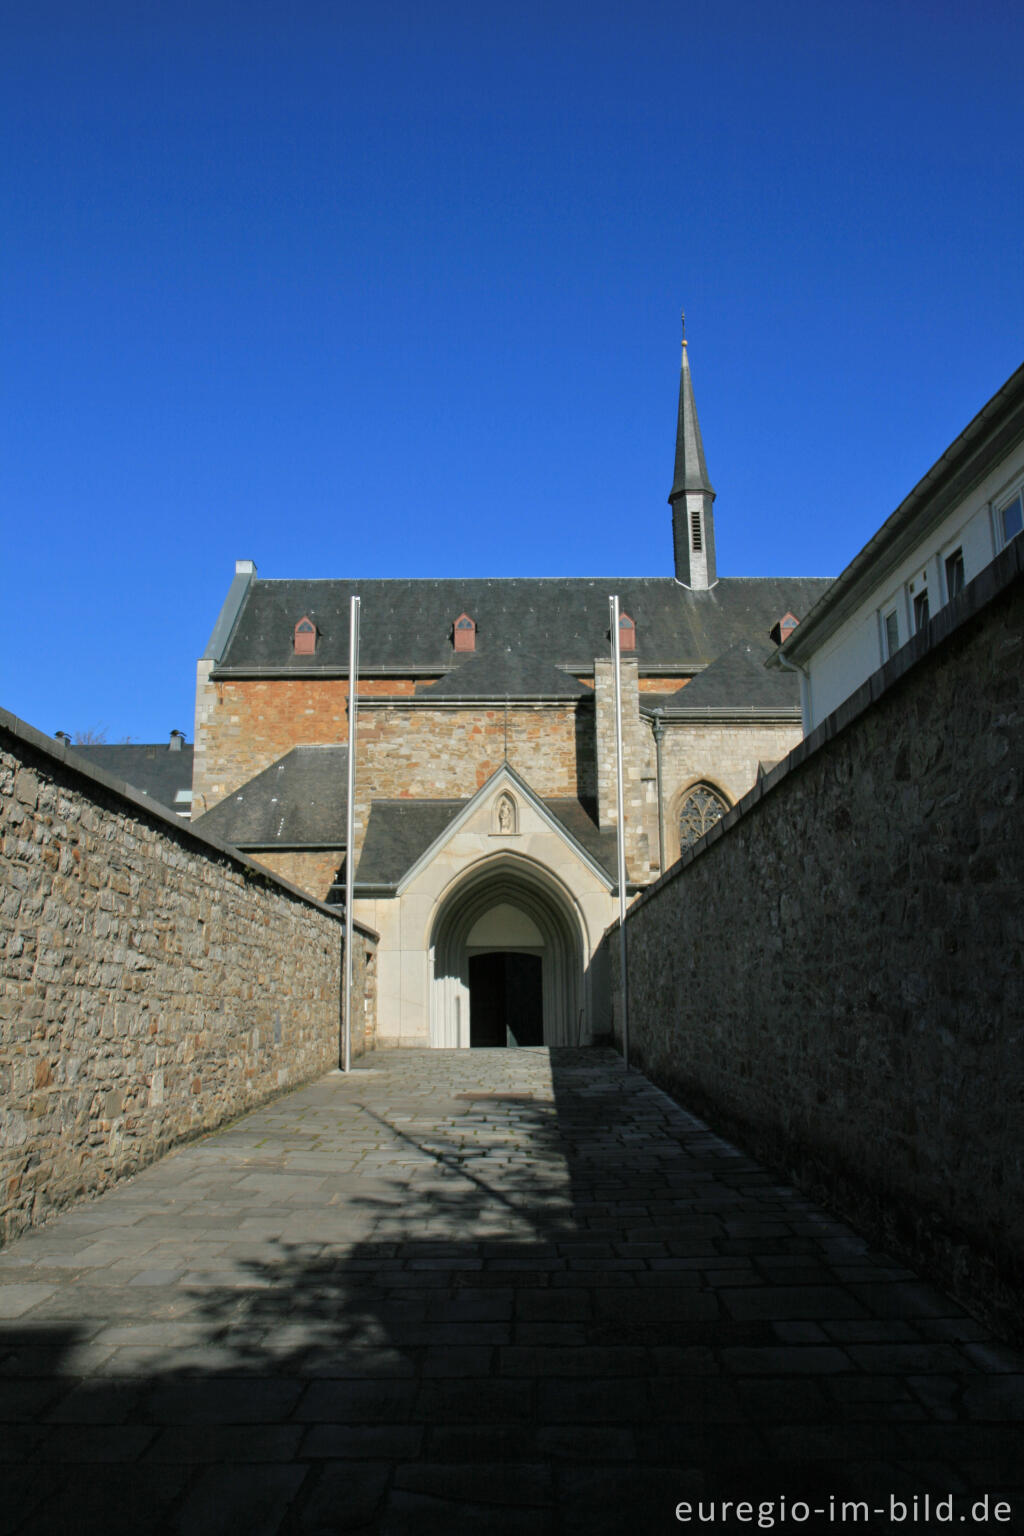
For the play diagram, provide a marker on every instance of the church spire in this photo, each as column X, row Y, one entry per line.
column 691, row 496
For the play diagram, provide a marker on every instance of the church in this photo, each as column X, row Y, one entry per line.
column 485, row 804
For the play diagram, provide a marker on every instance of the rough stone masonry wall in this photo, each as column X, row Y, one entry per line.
column 313, row 872
column 724, row 754
column 835, row 974
column 242, row 726
column 637, row 765
column 450, row 753
column 153, row 984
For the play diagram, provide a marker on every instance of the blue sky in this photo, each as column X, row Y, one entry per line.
column 395, row 290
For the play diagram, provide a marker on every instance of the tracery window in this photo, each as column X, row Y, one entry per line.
column 698, row 812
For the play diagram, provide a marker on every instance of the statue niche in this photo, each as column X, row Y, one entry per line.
column 506, row 816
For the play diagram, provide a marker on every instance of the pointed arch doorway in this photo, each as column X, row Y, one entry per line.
column 506, row 956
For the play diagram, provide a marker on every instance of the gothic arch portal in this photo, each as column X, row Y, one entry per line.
column 532, row 904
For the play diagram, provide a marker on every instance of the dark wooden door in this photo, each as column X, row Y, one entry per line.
column 505, row 999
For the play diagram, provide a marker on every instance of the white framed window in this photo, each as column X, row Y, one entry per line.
column 953, row 571
column 890, row 623
column 922, row 610
column 918, row 604
column 1009, row 518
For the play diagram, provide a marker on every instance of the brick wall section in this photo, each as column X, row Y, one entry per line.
column 662, row 684
column 152, row 983
column 450, row 753
column 310, row 871
column 835, row 974
column 242, row 726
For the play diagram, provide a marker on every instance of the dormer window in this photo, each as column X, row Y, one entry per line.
column 781, row 631
column 627, row 633
column 465, row 633
column 305, row 637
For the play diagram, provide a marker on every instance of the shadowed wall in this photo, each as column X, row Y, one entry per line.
column 835, row 973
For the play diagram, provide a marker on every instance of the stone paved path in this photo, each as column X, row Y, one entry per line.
column 488, row 1291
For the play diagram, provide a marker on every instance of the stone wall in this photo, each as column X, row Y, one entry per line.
column 153, row 983
column 312, row 871
column 835, row 975
column 242, row 726
column 724, row 754
column 637, row 765
column 449, row 753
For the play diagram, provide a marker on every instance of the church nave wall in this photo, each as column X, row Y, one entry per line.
column 242, row 726
column 449, row 753
column 722, row 754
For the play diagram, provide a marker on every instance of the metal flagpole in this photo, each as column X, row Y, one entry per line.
column 350, row 812
column 613, row 604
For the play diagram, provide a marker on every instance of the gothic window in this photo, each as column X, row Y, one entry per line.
column 783, row 628
column 627, row 633
column 305, row 637
column 465, row 633
column 699, row 811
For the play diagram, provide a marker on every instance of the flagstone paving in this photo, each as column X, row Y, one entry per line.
column 489, row 1291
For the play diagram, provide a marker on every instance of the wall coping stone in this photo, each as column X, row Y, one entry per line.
column 67, row 757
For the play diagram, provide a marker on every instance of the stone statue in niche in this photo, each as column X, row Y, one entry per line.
column 506, row 816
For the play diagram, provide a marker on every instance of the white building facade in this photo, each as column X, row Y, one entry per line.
column 954, row 523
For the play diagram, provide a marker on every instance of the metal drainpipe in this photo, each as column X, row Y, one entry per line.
column 659, row 733
column 805, row 689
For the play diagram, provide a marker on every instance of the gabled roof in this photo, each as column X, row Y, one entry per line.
column 405, row 626
column 398, row 833
column 403, row 834
column 298, row 802
column 152, row 768
column 504, row 673
column 579, row 817
column 736, row 680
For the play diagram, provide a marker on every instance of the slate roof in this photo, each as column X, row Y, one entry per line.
column 152, row 768
column 504, row 673
column 691, row 472
column 397, row 833
column 400, row 831
column 737, row 680
column 299, row 801
column 408, row 624
column 580, row 818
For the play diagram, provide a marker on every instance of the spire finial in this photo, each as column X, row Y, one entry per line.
column 691, row 472
column 682, row 317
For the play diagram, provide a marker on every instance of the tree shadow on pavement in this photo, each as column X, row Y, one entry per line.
column 554, row 1317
